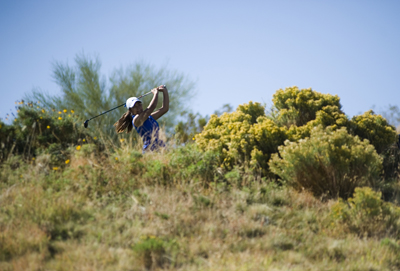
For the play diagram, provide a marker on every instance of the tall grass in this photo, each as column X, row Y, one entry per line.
column 98, row 203
column 114, row 208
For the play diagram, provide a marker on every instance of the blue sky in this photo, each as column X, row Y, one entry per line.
column 236, row 51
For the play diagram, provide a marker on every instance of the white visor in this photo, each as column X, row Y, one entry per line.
column 131, row 102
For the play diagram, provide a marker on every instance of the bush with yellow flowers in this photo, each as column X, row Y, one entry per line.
column 375, row 128
column 329, row 116
column 293, row 106
column 329, row 163
column 248, row 136
column 301, row 110
column 268, row 136
column 366, row 214
column 245, row 137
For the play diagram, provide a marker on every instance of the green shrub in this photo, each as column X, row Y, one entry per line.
column 158, row 171
column 38, row 131
column 58, row 155
column 374, row 128
column 233, row 176
column 367, row 214
column 153, row 251
column 186, row 129
column 390, row 186
column 331, row 163
column 7, row 140
column 189, row 163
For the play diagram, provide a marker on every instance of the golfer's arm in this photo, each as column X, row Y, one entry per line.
column 165, row 106
column 141, row 118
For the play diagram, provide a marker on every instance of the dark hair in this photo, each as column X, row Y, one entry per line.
column 124, row 122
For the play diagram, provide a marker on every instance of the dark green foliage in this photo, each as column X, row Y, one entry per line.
column 187, row 128
column 391, row 162
column 37, row 131
column 7, row 140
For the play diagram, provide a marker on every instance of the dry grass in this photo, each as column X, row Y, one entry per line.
column 125, row 211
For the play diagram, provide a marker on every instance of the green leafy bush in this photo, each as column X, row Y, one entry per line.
column 331, row 163
column 367, row 214
column 38, row 131
column 7, row 140
column 154, row 252
column 189, row 163
column 185, row 130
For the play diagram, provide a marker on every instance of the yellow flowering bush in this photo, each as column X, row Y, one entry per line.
column 375, row 128
column 331, row 163
column 301, row 110
column 268, row 136
column 229, row 135
column 245, row 136
column 249, row 136
column 367, row 214
column 297, row 107
column 330, row 116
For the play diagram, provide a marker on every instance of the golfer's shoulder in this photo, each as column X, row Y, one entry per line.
column 143, row 122
column 138, row 121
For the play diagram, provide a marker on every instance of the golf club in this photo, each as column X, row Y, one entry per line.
column 86, row 123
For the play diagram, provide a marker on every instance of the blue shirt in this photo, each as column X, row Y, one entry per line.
column 149, row 132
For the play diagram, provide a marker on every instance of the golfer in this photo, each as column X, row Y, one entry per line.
column 145, row 121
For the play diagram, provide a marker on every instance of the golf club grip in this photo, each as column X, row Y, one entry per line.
column 145, row 95
column 148, row 93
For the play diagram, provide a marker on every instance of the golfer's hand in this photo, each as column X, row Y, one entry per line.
column 162, row 88
column 154, row 91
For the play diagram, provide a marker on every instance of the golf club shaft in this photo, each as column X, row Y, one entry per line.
column 86, row 123
column 118, row 106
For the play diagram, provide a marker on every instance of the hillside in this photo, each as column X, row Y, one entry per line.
column 300, row 188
